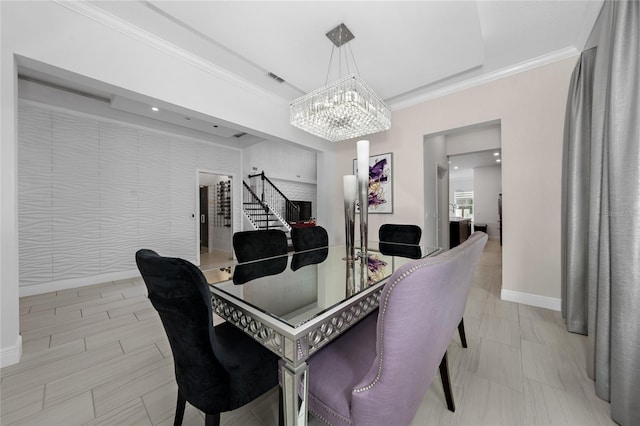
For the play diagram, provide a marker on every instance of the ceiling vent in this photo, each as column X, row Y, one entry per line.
column 276, row 78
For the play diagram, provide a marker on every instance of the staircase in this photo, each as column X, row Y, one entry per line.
column 261, row 214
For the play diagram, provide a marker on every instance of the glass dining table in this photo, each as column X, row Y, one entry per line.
column 296, row 304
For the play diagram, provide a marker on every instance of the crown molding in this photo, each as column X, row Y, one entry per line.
column 105, row 18
column 540, row 61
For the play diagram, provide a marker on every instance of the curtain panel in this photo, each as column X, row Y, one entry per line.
column 601, row 209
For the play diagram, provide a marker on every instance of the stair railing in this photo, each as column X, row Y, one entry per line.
column 250, row 198
column 274, row 198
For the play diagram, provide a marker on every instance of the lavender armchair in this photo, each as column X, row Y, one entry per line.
column 378, row 372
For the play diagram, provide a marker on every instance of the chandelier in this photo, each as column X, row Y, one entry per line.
column 344, row 109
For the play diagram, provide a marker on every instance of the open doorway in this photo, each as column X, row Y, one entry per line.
column 462, row 184
column 215, row 217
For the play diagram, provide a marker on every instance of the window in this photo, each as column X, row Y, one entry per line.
column 463, row 201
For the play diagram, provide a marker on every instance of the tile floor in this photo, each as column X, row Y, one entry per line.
column 98, row 355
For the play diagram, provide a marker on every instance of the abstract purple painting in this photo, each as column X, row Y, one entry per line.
column 380, row 183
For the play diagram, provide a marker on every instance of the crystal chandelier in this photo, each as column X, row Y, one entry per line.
column 344, row 109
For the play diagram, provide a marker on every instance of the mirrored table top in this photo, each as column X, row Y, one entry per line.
column 298, row 287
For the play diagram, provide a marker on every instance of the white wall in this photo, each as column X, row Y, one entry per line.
column 292, row 169
column 473, row 139
column 487, row 185
column 93, row 191
column 279, row 160
column 434, row 155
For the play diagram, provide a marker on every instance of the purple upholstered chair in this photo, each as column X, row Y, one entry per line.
column 379, row 371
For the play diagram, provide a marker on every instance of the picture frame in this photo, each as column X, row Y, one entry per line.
column 380, row 183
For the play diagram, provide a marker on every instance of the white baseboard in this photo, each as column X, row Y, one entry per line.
column 531, row 299
column 30, row 290
column 12, row 354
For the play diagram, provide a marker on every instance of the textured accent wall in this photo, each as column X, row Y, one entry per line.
column 299, row 191
column 92, row 191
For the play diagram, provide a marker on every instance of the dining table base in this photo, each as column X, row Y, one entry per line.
column 295, row 393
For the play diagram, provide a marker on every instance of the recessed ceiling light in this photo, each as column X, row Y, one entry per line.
column 496, row 154
column 188, row 118
column 215, row 125
column 498, row 160
column 154, row 109
column 455, row 168
column 449, row 162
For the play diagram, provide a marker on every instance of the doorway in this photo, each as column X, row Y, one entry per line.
column 450, row 194
column 215, row 219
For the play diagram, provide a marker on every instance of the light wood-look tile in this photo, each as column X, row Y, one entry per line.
column 148, row 332
column 93, row 327
column 548, row 405
column 500, row 330
column 48, row 328
column 161, row 402
column 49, row 317
column 60, row 368
column 35, row 346
column 485, row 402
column 21, row 405
column 131, row 413
column 98, row 374
column 498, row 363
column 75, row 411
column 45, row 357
column 125, row 387
column 192, row 417
column 91, row 307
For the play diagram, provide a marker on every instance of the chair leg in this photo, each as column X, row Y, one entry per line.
column 463, row 336
column 280, row 407
column 212, row 419
column 180, row 405
column 446, row 383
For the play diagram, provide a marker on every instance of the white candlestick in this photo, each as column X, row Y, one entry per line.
column 350, row 191
column 363, row 196
column 350, row 188
column 363, row 160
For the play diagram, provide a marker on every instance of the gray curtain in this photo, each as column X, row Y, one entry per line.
column 601, row 209
column 575, row 194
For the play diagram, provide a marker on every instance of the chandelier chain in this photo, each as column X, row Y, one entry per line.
column 326, row 79
column 353, row 58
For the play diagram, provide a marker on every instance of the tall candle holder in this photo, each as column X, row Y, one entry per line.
column 351, row 277
column 350, row 190
column 363, row 193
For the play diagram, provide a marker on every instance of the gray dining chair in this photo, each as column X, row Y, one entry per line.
column 217, row 368
column 378, row 372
